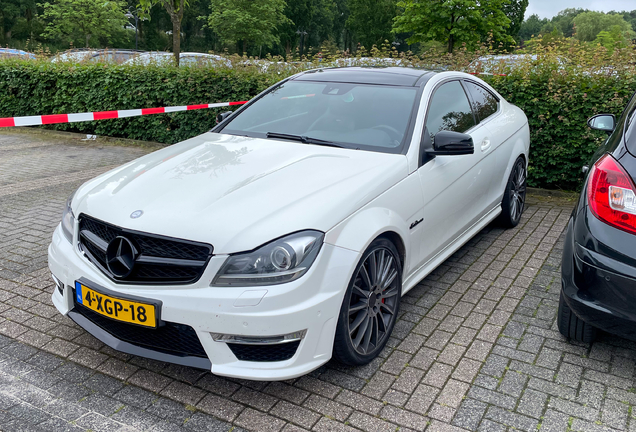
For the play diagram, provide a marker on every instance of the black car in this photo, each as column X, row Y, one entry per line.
column 598, row 276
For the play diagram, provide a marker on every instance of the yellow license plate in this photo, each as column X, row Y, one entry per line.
column 119, row 309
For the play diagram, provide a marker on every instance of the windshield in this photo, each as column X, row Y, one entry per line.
column 368, row 117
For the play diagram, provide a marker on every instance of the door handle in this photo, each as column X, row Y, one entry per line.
column 485, row 144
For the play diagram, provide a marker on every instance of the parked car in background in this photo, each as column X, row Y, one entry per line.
column 278, row 66
column 186, row 59
column 599, row 254
column 369, row 61
column 73, row 55
column 16, row 53
column 116, row 56
column 498, row 63
column 264, row 65
column 261, row 64
column 287, row 235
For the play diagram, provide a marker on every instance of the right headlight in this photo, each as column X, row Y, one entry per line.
column 68, row 220
column 280, row 261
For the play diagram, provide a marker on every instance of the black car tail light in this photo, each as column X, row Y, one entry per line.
column 611, row 194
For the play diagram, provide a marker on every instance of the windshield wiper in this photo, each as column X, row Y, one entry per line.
column 303, row 139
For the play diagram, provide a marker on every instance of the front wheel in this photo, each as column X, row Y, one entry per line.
column 370, row 306
column 514, row 198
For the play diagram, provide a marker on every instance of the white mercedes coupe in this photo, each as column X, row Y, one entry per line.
column 287, row 235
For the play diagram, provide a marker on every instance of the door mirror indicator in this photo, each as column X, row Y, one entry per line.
column 449, row 143
column 602, row 122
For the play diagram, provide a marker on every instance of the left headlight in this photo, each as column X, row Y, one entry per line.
column 68, row 220
column 280, row 261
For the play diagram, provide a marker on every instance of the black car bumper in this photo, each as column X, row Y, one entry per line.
column 598, row 281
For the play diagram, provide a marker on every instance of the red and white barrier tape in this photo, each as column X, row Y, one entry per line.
column 101, row 115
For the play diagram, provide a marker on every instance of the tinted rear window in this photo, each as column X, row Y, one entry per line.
column 485, row 103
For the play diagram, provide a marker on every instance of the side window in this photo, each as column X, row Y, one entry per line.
column 631, row 117
column 631, row 124
column 485, row 103
column 449, row 110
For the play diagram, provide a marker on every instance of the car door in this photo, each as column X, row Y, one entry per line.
column 496, row 151
column 453, row 187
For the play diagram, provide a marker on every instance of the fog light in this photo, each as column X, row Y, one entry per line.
column 259, row 340
column 58, row 284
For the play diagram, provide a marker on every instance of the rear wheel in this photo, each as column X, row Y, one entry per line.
column 514, row 198
column 572, row 327
column 370, row 306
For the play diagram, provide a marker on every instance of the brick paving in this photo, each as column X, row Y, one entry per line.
column 475, row 348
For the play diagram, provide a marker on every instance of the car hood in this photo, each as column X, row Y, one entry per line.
column 238, row 193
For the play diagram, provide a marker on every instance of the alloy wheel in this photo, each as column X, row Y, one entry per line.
column 517, row 190
column 373, row 303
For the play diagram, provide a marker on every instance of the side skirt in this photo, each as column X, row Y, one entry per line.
column 452, row 247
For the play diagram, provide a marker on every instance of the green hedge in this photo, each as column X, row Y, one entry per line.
column 557, row 108
column 33, row 88
column 557, row 104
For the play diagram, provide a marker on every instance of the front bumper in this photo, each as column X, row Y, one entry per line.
column 311, row 303
column 600, row 290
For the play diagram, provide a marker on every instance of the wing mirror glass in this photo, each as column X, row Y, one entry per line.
column 602, row 122
column 222, row 116
column 449, row 143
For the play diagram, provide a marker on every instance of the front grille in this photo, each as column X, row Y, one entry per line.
column 161, row 260
column 170, row 338
column 264, row 353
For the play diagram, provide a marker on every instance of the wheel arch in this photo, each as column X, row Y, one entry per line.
column 519, row 151
column 395, row 238
column 361, row 229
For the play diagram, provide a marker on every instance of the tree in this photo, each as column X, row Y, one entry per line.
column 247, row 21
column 371, row 21
column 590, row 24
column 339, row 23
column 547, row 38
column 175, row 9
column 515, row 11
column 27, row 25
column 630, row 17
column 564, row 21
column 531, row 27
column 10, row 11
column 315, row 17
column 66, row 19
column 453, row 21
column 196, row 35
column 616, row 37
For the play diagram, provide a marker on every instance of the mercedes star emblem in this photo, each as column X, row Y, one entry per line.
column 120, row 257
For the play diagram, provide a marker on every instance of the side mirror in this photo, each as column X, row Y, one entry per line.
column 222, row 116
column 602, row 122
column 449, row 143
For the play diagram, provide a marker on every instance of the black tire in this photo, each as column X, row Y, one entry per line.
column 514, row 198
column 370, row 306
column 572, row 327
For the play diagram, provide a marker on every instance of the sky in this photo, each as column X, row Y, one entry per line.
column 549, row 8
